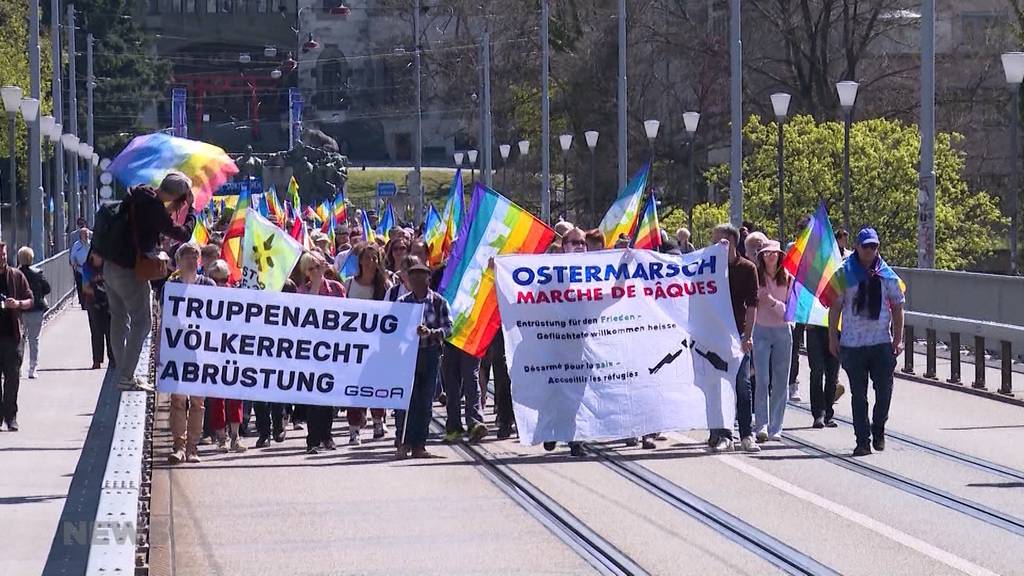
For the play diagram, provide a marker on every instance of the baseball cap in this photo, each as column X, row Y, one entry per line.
column 419, row 268
column 867, row 236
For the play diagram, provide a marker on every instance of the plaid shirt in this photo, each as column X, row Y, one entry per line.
column 436, row 316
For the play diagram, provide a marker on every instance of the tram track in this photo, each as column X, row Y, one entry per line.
column 770, row 549
column 592, row 547
column 937, row 450
column 932, row 494
column 765, row 546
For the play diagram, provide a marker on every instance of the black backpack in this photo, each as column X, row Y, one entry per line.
column 111, row 237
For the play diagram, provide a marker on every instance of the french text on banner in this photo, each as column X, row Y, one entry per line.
column 618, row 343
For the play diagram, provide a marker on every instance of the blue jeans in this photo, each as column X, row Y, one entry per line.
column 742, row 402
column 412, row 429
column 877, row 362
column 460, row 374
column 773, row 349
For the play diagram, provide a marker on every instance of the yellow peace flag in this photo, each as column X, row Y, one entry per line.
column 268, row 254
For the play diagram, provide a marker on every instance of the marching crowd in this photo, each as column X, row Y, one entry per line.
column 119, row 272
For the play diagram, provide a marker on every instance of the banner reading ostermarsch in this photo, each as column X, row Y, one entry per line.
column 288, row 348
column 618, row 343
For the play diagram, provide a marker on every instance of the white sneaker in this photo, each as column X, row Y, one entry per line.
column 762, row 437
column 775, row 438
column 353, row 438
column 237, row 446
column 794, row 393
column 749, row 445
column 723, row 445
column 222, row 445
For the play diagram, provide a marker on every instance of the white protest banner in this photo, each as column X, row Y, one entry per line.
column 618, row 343
column 288, row 348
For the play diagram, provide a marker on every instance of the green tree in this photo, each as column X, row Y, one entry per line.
column 14, row 72
column 883, row 173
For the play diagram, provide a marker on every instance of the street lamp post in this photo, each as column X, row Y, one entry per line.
column 524, row 151
column 45, row 127
column 504, row 150
column 592, row 136
column 780, row 104
column 691, row 120
column 472, row 165
column 847, row 90
column 458, row 156
column 651, row 129
column 12, row 103
column 1013, row 67
column 30, row 113
column 565, row 141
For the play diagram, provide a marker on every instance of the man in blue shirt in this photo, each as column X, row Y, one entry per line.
column 871, row 307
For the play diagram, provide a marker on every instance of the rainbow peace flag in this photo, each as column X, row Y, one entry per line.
column 368, row 234
column 813, row 260
column 147, row 159
column 277, row 214
column 231, row 249
column 201, row 232
column 648, row 233
column 621, row 217
column 386, row 223
column 340, row 212
column 451, row 221
column 323, row 211
column 432, row 231
column 496, row 226
column 293, row 193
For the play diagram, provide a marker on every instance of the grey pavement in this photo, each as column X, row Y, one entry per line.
column 38, row 462
column 357, row 511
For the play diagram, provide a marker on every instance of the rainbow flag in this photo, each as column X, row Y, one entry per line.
column 231, row 249
column 340, row 212
column 451, row 221
column 621, row 217
column 147, row 159
column 368, row 234
column 293, row 193
column 278, row 214
column 321, row 212
column 648, row 233
column 813, row 260
column 201, row 232
column 432, row 231
column 386, row 223
column 311, row 214
column 495, row 226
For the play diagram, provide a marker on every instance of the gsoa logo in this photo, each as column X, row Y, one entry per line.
column 371, row 392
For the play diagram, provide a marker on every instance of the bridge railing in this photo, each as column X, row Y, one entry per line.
column 57, row 269
column 985, row 309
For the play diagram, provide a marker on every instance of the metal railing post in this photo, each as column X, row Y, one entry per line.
column 908, row 350
column 979, row 363
column 1006, row 352
column 954, row 358
column 930, row 337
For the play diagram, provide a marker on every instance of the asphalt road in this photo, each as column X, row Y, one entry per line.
column 914, row 509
